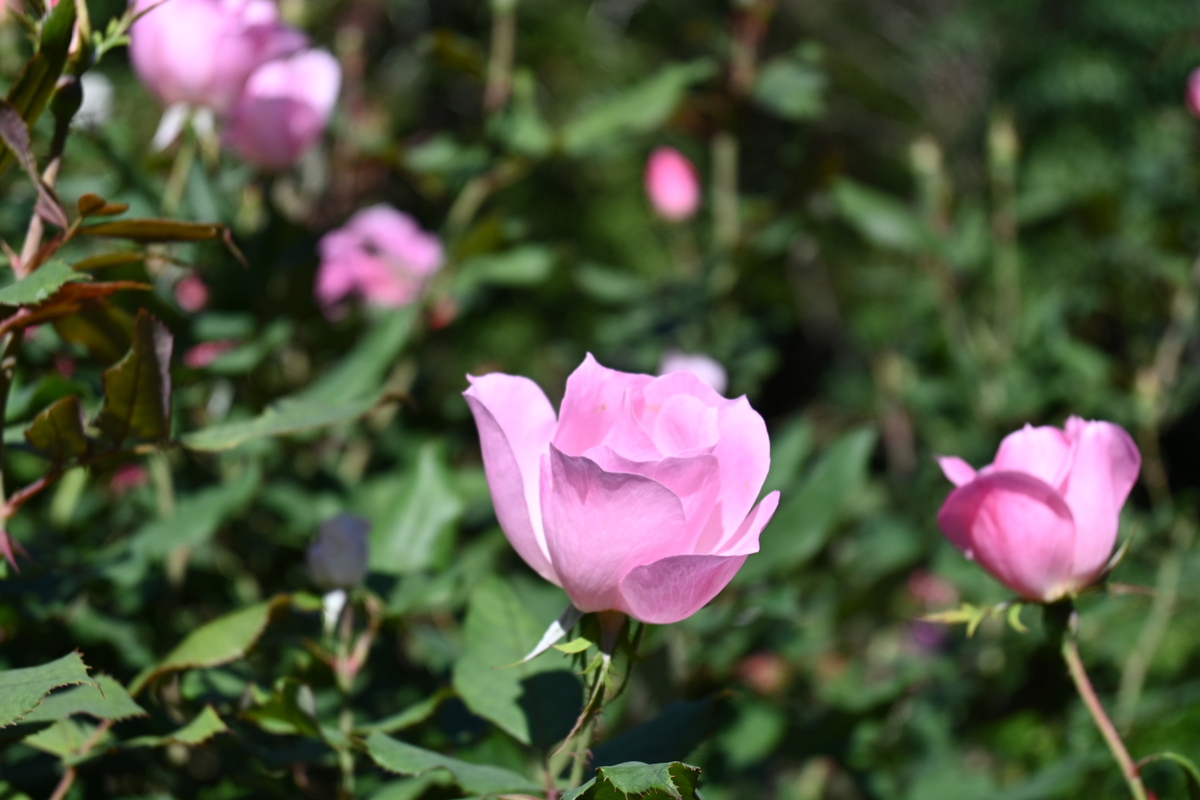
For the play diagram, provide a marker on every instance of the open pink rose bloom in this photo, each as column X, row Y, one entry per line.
column 1042, row 517
column 639, row 497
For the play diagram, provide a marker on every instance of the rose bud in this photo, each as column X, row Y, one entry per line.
column 338, row 558
column 639, row 497
column 672, row 184
column 1042, row 517
column 700, row 365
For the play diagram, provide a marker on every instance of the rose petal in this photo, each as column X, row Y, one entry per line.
column 956, row 470
column 745, row 455
column 1040, row 452
column 600, row 525
column 592, row 401
column 1017, row 528
column 685, row 424
column 1105, row 468
column 676, row 587
column 516, row 423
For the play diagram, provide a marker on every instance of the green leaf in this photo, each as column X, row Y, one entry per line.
column 413, row 715
column 14, row 134
column 633, row 779
column 413, row 519
column 22, row 689
column 65, row 739
column 107, row 699
column 137, row 389
column 57, row 432
column 881, row 219
column 283, row 417
column 205, row 726
column 521, row 266
column 41, row 285
column 791, row 87
column 156, row 230
column 806, row 518
column 1190, row 771
column 402, row 758
column 225, row 639
column 196, row 519
column 640, row 109
column 574, row 646
column 288, row 710
column 535, row 701
column 674, row 734
column 360, row 374
column 32, row 89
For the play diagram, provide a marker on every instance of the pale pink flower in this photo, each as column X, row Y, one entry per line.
column 283, row 109
column 191, row 294
column 381, row 255
column 1193, row 92
column 672, row 184
column 200, row 53
column 205, row 353
column 703, row 367
column 1042, row 517
column 128, row 477
column 639, row 497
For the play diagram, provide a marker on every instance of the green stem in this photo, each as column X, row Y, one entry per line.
column 180, row 170
column 1070, row 652
column 500, row 59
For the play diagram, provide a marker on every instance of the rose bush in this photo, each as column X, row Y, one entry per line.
column 639, row 497
column 1042, row 517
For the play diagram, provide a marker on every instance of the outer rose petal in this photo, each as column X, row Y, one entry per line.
column 1017, row 528
column 744, row 451
column 591, row 404
column 1040, row 452
column 600, row 525
column 516, row 423
column 1105, row 468
column 956, row 470
column 676, row 587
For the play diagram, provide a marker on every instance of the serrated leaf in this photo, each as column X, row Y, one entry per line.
column 14, row 133
column 413, row 715
column 107, row 699
column 638, row 109
column 203, row 727
column 404, row 759
column 633, row 779
column 22, row 689
column 34, row 85
column 64, row 739
column 137, row 389
column 674, row 734
column 57, row 432
column 536, row 701
column 225, row 639
column 40, row 285
column 288, row 710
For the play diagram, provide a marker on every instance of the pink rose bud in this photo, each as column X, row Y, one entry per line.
column 381, row 255
column 703, row 367
column 338, row 558
column 1193, row 92
column 283, row 109
column 128, row 477
column 672, row 184
column 201, row 52
column 191, row 293
column 1042, row 517
column 205, row 353
column 639, row 497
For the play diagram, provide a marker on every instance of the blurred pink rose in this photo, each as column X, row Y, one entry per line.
column 283, row 109
column 638, row 498
column 191, row 293
column 672, row 184
column 380, row 254
column 205, row 353
column 1042, row 517
column 201, row 52
column 128, row 477
column 703, row 367
column 1193, row 92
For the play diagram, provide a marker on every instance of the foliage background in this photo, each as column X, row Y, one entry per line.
column 926, row 223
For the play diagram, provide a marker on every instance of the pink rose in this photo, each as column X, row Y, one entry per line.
column 638, row 498
column 380, row 254
column 1193, row 93
column 1042, row 517
column 190, row 293
column 201, row 52
column 283, row 109
column 671, row 184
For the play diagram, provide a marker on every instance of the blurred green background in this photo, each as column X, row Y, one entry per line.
column 925, row 224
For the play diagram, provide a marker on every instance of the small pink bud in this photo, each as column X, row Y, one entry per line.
column 205, row 353
column 672, row 184
column 1193, row 92
column 1042, row 517
column 381, row 255
column 283, row 109
column 191, row 293
column 127, row 477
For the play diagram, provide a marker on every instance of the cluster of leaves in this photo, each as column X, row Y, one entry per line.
column 919, row 233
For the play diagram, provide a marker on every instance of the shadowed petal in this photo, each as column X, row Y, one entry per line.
column 676, row 587
column 1105, row 468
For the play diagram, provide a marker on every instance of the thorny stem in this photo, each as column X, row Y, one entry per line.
column 1070, row 651
column 68, row 776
